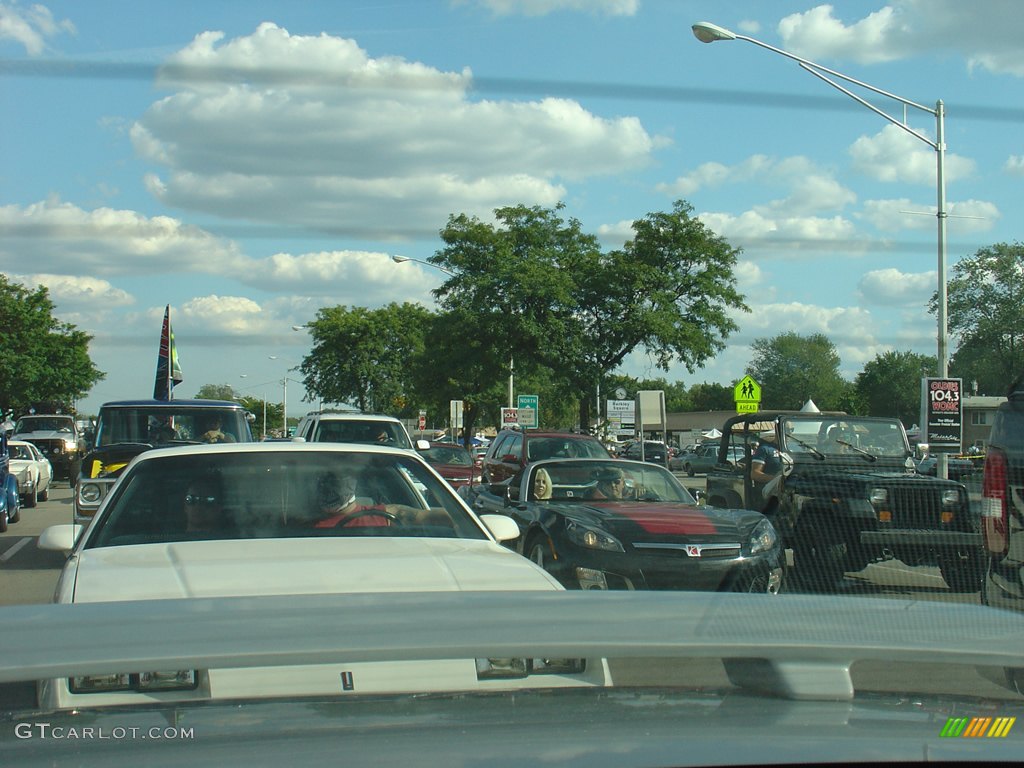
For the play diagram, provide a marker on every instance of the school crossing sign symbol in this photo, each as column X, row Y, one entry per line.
column 747, row 394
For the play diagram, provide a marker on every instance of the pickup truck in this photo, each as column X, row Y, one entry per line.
column 850, row 495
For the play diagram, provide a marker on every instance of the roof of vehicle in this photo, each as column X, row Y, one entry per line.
column 550, row 433
column 173, row 404
column 351, row 416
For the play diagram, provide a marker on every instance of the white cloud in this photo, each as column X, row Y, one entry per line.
column 811, row 188
column 713, row 174
column 893, row 155
column 756, row 229
column 987, row 34
column 30, row 27
column 1015, row 165
column 818, row 33
column 355, row 144
column 903, row 214
column 544, row 7
column 71, row 293
column 61, row 238
column 893, row 288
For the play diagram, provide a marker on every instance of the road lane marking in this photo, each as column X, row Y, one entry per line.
column 11, row 552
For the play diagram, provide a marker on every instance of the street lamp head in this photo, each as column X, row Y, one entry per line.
column 299, row 327
column 707, row 32
column 399, row 259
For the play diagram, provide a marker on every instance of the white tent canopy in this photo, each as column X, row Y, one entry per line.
column 809, row 407
column 711, row 434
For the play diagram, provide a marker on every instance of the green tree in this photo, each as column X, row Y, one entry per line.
column 216, row 392
column 362, row 356
column 986, row 314
column 792, row 368
column 44, row 360
column 711, row 397
column 268, row 415
column 890, row 385
column 543, row 293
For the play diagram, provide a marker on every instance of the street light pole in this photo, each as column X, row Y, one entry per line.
column 707, row 32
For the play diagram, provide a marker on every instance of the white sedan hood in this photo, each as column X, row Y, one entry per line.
column 299, row 566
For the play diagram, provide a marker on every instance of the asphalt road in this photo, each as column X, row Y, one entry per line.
column 29, row 575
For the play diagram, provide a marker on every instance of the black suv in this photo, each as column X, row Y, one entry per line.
column 1002, row 504
column 850, row 495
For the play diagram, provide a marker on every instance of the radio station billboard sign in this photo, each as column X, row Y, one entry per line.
column 942, row 414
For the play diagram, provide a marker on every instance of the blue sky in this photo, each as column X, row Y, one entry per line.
column 247, row 201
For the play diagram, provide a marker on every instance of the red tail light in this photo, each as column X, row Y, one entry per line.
column 994, row 504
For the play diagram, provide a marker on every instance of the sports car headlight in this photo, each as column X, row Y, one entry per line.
column 763, row 538
column 590, row 538
column 90, row 493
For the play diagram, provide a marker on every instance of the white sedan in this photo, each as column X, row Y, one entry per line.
column 32, row 471
column 239, row 520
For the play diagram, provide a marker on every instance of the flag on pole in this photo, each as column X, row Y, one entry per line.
column 168, row 372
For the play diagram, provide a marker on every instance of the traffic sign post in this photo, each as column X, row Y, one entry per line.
column 528, row 411
column 747, row 395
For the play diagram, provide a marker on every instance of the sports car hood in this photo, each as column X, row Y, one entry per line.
column 640, row 521
column 300, row 566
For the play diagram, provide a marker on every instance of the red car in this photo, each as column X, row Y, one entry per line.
column 513, row 449
column 452, row 462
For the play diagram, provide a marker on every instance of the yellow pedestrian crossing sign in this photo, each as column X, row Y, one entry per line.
column 747, row 395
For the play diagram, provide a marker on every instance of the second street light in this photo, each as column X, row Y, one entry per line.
column 707, row 32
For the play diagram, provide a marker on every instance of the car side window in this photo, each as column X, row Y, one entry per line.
column 514, row 447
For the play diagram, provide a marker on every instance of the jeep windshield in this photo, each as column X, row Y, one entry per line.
column 845, row 436
column 42, row 424
column 162, row 425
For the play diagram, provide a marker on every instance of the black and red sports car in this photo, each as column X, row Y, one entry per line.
column 618, row 524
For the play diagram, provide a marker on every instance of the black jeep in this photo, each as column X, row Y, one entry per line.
column 848, row 495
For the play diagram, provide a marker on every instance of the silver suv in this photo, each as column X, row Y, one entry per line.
column 352, row 427
column 1002, row 504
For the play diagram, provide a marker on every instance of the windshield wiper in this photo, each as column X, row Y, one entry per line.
column 818, row 454
column 866, row 454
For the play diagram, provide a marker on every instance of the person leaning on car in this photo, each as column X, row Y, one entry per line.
column 336, row 507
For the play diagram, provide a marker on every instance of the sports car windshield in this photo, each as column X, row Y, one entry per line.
column 276, row 494
column 586, row 481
